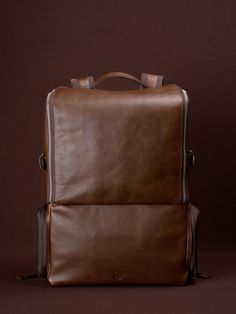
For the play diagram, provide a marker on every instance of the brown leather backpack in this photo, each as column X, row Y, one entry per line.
column 117, row 165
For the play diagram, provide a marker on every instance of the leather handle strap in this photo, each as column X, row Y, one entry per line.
column 110, row 75
column 147, row 80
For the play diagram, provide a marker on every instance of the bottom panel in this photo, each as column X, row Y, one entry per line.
column 117, row 244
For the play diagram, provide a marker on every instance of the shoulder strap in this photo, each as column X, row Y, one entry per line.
column 152, row 80
column 82, row 82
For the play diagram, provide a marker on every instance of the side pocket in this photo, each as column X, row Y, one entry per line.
column 42, row 256
column 193, row 214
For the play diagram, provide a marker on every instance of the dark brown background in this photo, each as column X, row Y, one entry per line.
column 45, row 43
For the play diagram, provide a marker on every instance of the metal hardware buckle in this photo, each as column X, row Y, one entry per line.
column 42, row 162
column 191, row 158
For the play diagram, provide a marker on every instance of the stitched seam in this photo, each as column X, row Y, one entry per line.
column 182, row 140
column 49, row 241
column 52, row 146
column 189, row 240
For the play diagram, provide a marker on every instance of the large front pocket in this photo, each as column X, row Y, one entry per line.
column 99, row 244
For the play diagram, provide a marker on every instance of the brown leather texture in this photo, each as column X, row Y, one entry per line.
column 117, row 244
column 115, row 147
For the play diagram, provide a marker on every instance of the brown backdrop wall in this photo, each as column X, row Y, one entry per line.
column 45, row 43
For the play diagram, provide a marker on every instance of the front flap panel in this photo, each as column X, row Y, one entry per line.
column 114, row 147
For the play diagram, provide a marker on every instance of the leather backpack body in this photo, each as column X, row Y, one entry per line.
column 117, row 165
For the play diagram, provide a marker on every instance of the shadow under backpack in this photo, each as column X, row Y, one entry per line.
column 117, row 165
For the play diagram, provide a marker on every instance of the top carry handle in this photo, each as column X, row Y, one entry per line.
column 147, row 80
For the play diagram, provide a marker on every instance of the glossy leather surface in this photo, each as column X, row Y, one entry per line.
column 116, row 147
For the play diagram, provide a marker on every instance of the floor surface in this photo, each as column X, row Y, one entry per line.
column 216, row 295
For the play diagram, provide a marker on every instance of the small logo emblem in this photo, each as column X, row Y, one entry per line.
column 118, row 276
